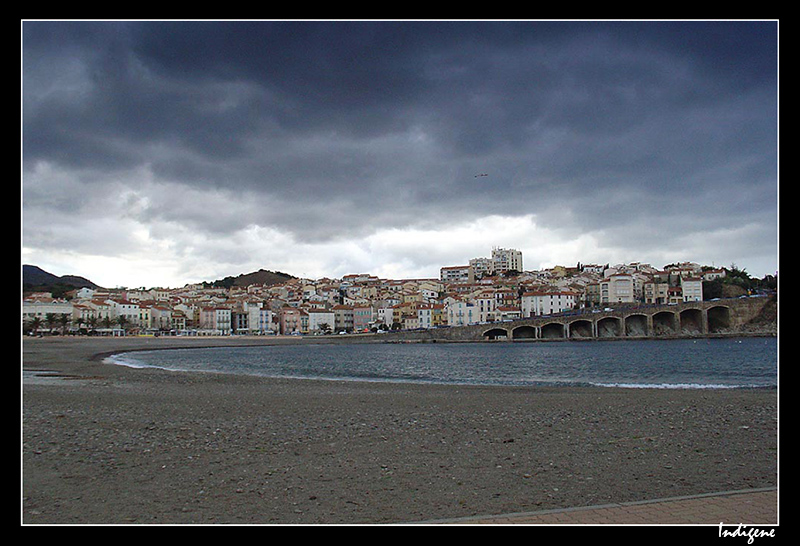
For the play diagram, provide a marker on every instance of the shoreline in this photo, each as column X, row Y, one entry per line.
column 104, row 443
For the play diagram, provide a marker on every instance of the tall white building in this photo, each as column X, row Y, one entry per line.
column 506, row 259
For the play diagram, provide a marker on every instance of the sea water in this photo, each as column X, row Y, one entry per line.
column 687, row 363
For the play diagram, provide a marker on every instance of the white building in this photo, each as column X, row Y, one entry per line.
column 506, row 259
column 460, row 312
column 547, row 303
column 456, row 273
column 692, row 289
column 384, row 314
column 425, row 315
column 593, row 268
column 712, row 274
column 318, row 317
column 485, row 303
column 259, row 320
column 617, row 288
column 101, row 310
column 124, row 308
column 84, row 293
column 40, row 309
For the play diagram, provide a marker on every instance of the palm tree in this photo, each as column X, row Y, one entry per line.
column 35, row 323
column 50, row 319
column 123, row 321
column 64, row 321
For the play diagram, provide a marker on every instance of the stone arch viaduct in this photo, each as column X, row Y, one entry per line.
column 692, row 319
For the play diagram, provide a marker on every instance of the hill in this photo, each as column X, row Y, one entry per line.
column 262, row 276
column 36, row 279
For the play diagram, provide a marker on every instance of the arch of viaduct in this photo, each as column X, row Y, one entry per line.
column 683, row 320
column 689, row 319
column 635, row 323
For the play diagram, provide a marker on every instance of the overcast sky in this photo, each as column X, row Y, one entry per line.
column 163, row 153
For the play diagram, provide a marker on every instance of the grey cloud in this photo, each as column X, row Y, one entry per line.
column 331, row 129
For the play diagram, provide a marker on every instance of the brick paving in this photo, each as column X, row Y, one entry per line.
column 751, row 507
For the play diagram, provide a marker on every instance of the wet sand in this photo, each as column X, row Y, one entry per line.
column 105, row 444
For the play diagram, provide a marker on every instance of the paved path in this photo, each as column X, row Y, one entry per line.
column 750, row 507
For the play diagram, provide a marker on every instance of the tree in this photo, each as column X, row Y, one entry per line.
column 122, row 320
column 64, row 321
column 712, row 289
column 50, row 319
column 737, row 282
column 769, row 282
column 735, row 273
column 35, row 323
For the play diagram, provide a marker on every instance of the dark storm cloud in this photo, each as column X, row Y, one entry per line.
column 334, row 128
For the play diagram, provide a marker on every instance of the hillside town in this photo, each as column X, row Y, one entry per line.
column 484, row 290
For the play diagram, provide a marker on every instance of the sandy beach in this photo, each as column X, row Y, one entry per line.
column 105, row 444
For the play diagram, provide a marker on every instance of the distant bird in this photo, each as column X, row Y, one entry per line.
column 481, row 174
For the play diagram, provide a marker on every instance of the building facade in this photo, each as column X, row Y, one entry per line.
column 456, row 274
column 617, row 288
column 536, row 304
column 506, row 259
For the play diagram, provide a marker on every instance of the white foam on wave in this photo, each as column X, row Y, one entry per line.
column 669, row 386
column 126, row 360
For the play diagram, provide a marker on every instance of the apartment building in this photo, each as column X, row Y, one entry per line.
column 508, row 313
column 291, row 320
column 215, row 320
column 506, row 259
column 40, row 309
column 656, row 292
column 124, row 308
column 425, row 315
column 692, row 288
column 617, row 288
column 485, row 304
column 160, row 317
column 481, row 267
column 547, row 302
column 259, row 319
column 456, row 274
column 459, row 312
column 363, row 317
column 318, row 319
column 343, row 318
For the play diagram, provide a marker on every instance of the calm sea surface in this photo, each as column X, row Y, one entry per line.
column 702, row 363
